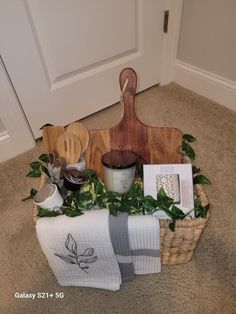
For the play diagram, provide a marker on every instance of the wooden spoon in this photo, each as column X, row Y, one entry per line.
column 69, row 147
column 78, row 129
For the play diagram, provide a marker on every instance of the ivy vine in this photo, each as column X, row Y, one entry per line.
column 94, row 194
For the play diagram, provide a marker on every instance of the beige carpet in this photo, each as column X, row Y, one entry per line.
column 205, row 285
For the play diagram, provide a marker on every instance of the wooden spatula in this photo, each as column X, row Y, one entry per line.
column 69, row 147
column 50, row 136
column 78, row 129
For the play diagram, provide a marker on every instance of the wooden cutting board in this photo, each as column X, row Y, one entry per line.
column 151, row 144
column 50, row 137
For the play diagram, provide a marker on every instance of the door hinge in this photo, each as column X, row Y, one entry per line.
column 166, row 21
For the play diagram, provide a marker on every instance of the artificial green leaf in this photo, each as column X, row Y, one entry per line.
column 187, row 149
column 43, row 212
column 85, row 200
column 149, row 204
column 44, row 158
column 172, row 226
column 99, row 186
column 90, row 174
column 200, row 210
column 34, row 173
column 177, row 213
column 35, row 165
column 189, row 138
column 161, row 194
column 163, row 201
column 32, row 194
column 113, row 210
column 45, row 170
column 201, row 179
column 72, row 213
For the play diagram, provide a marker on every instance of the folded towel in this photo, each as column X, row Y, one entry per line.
column 79, row 250
column 144, row 240
column 118, row 226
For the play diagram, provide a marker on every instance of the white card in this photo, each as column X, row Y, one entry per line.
column 152, row 173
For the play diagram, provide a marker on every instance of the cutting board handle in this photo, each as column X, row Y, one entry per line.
column 152, row 144
column 128, row 94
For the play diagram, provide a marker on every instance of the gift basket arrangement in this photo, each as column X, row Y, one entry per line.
column 106, row 169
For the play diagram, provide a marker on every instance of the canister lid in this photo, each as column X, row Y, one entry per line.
column 119, row 159
column 74, row 179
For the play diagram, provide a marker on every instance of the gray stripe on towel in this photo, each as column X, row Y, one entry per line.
column 124, row 259
column 145, row 252
column 118, row 226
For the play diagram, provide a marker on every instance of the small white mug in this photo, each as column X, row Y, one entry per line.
column 48, row 197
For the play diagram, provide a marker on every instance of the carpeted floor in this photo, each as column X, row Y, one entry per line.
column 205, row 285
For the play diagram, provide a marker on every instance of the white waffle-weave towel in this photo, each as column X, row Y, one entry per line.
column 79, row 250
column 144, row 241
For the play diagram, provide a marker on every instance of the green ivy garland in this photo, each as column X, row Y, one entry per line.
column 94, row 194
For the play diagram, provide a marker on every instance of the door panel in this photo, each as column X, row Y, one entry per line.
column 67, row 62
column 80, row 42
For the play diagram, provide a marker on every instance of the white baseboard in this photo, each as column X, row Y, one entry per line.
column 217, row 88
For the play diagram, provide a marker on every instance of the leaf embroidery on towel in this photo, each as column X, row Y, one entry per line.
column 82, row 260
column 71, row 244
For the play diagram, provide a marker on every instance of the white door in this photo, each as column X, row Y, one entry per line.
column 15, row 135
column 64, row 56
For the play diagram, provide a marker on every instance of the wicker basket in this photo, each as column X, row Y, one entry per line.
column 176, row 247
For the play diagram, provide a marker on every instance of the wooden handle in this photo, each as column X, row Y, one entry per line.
column 128, row 93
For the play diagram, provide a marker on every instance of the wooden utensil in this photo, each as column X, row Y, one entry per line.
column 60, row 163
column 50, row 136
column 52, row 156
column 78, row 129
column 151, row 144
column 69, row 147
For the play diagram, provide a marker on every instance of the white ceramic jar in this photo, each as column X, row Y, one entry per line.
column 48, row 197
column 119, row 170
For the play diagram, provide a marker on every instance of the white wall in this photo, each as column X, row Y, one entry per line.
column 207, row 49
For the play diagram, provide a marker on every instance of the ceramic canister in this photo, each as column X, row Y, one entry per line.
column 119, row 170
column 74, row 179
column 48, row 197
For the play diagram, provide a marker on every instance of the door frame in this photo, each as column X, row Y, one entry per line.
column 171, row 40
